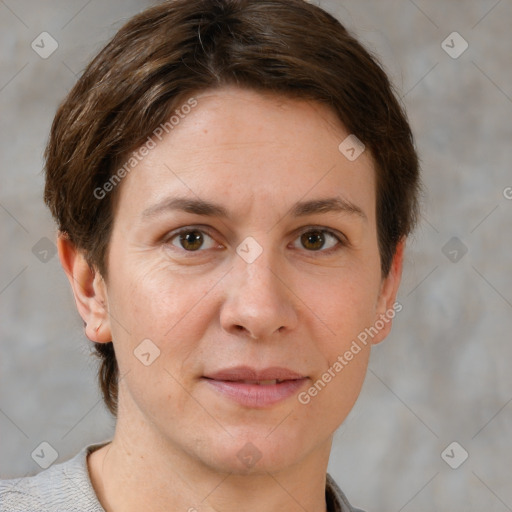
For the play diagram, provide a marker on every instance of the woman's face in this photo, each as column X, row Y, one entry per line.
column 265, row 282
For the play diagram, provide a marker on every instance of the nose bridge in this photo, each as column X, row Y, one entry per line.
column 257, row 270
column 258, row 299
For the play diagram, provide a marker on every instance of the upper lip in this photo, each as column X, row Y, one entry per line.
column 248, row 373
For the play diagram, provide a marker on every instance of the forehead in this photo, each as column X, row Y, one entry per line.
column 243, row 145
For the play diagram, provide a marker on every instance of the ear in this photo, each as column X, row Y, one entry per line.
column 387, row 307
column 89, row 289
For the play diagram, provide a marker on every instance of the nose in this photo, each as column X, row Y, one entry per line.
column 260, row 300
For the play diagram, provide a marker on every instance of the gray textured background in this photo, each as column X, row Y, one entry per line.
column 443, row 375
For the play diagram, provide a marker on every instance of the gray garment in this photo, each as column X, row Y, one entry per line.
column 66, row 487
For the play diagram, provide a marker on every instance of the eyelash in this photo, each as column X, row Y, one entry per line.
column 342, row 242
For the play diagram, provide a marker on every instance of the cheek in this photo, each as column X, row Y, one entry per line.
column 343, row 306
column 169, row 309
column 343, row 301
column 148, row 296
column 343, row 310
column 331, row 397
column 157, row 321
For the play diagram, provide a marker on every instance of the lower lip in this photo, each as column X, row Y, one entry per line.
column 255, row 395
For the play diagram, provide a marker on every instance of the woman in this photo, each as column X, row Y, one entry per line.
column 233, row 182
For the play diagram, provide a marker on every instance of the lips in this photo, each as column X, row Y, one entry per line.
column 246, row 373
column 255, row 388
column 262, row 382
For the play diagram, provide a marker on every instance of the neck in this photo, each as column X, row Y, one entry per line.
column 139, row 470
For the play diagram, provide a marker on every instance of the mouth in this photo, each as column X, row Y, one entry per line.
column 260, row 382
column 256, row 388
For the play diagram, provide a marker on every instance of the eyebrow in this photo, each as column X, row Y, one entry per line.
column 210, row 209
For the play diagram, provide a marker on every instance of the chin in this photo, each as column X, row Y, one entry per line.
column 254, row 454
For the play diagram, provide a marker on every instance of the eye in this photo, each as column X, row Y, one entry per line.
column 191, row 239
column 316, row 239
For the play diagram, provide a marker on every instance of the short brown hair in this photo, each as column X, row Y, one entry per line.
column 173, row 50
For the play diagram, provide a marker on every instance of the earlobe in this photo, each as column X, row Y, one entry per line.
column 89, row 290
column 387, row 306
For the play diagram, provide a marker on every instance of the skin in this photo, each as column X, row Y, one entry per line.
column 176, row 440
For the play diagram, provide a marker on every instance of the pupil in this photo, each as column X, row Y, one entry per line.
column 315, row 238
column 192, row 239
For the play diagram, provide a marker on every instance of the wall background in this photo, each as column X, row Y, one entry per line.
column 443, row 375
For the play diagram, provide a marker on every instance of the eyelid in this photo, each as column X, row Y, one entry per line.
column 185, row 229
column 338, row 235
column 334, row 232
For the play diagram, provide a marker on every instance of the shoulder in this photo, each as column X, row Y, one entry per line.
column 336, row 500
column 65, row 486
